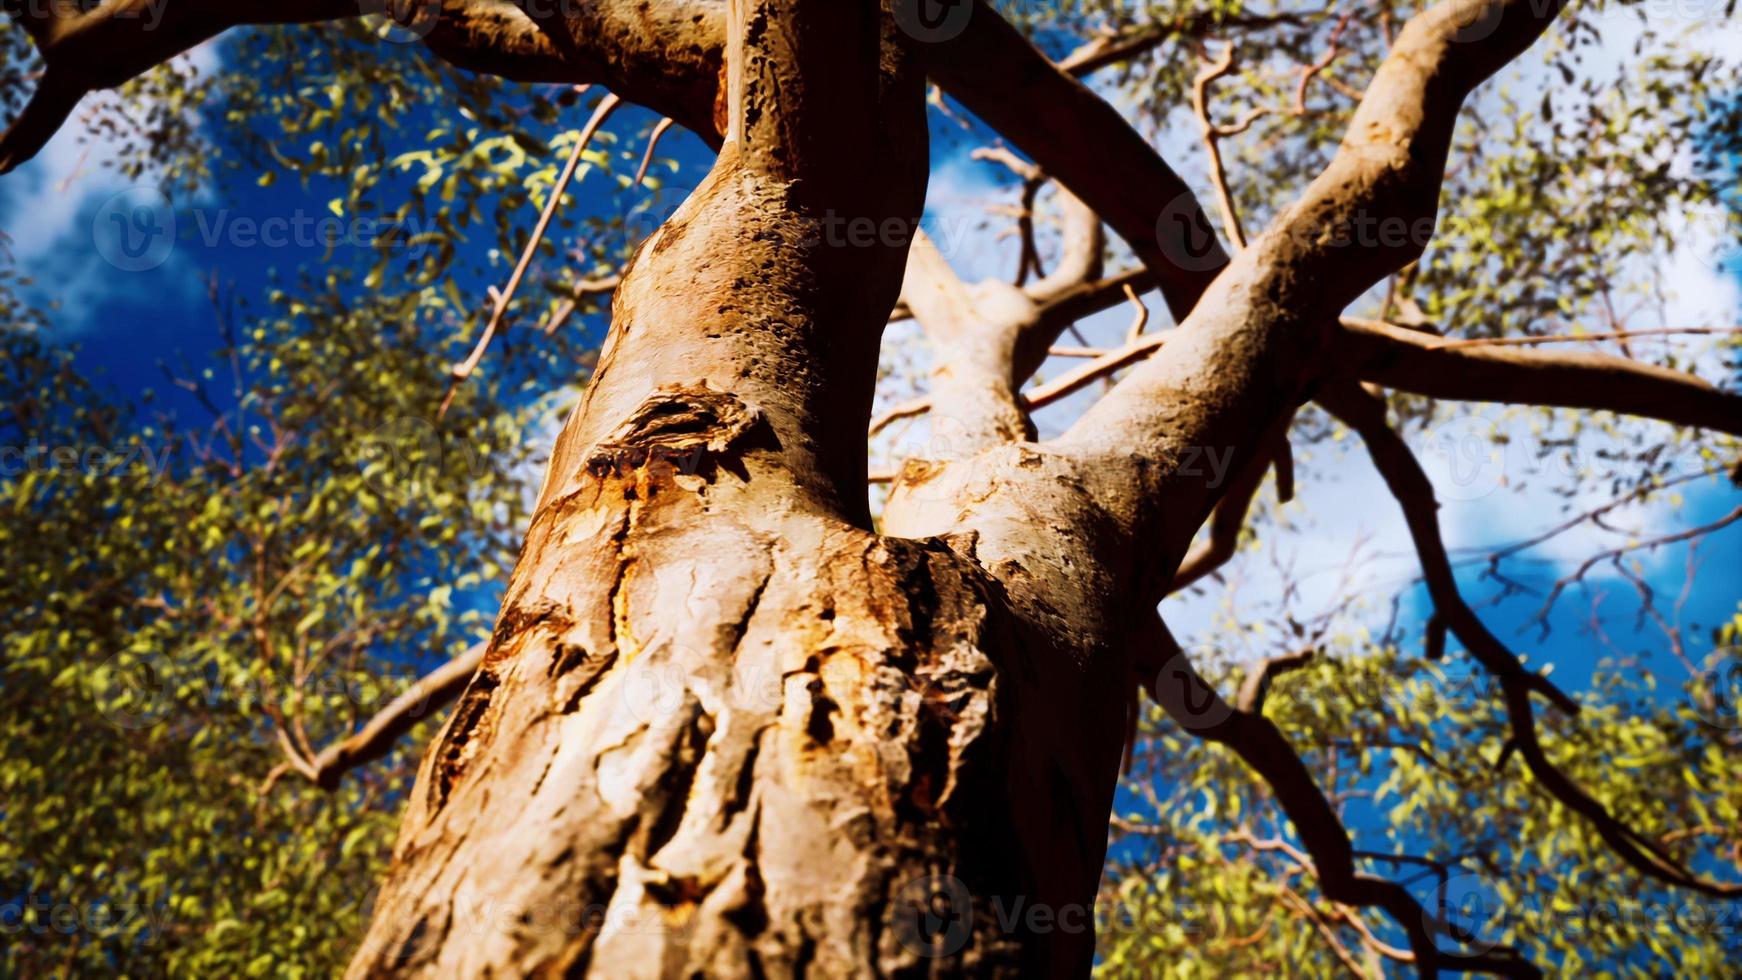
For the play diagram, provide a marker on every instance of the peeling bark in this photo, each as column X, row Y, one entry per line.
column 723, row 727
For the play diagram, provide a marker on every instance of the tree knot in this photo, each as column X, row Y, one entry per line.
column 687, row 427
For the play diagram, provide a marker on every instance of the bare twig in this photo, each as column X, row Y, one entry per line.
column 652, row 145
column 377, row 737
column 464, row 369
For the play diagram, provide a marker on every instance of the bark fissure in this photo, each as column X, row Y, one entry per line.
column 722, row 726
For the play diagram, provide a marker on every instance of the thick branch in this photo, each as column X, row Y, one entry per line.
column 1425, row 365
column 1258, row 342
column 1256, row 687
column 85, row 50
column 668, row 57
column 1079, row 252
column 974, row 334
column 1226, row 523
column 1084, row 143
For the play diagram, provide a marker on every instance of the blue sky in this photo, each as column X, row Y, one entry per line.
column 59, row 212
column 58, row 208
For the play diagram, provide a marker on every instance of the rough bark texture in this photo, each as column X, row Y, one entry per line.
column 725, row 728
column 720, row 734
column 722, row 726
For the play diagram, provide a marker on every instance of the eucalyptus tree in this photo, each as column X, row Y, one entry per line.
column 730, row 722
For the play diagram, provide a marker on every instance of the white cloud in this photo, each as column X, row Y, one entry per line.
column 47, row 206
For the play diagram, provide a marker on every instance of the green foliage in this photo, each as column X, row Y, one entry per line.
column 1208, row 881
column 468, row 160
column 194, row 595
column 180, row 600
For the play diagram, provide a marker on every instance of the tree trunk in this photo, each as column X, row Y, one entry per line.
column 723, row 727
column 719, row 733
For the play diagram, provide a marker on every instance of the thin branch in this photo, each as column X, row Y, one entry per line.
column 1213, row 70
column 1199, row 709
column 1226, row 523
column 1229, row 517
column 1612, row 554
column 652, row 145
column 571, row 302
column 1618, row 335
column 906, row 410
column 1635, row 495
column 376, row 738
column 1139, row 316
column 1410, row 485
column 1312, row 71
column 1256, row 686
column 1085, row 143
column 1032, row 180
column 464, row 369
column 1082, row 243
column 1111, row 49
column 1073, row 381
